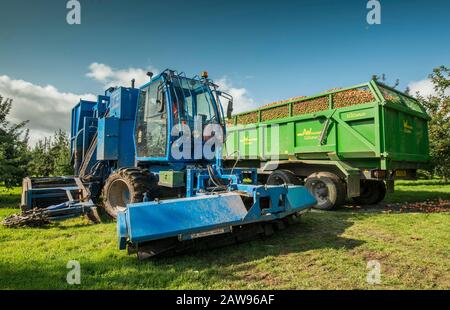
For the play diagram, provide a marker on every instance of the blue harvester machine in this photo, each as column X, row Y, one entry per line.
column 127, row 158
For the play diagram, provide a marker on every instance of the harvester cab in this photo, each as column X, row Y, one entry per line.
column 152, row 158
column 184, row 106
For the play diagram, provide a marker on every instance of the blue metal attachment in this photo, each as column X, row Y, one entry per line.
column 104, row 130
column 205, row 215
column 57, row 198
column 44, row 192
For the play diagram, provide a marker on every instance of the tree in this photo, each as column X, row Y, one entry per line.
column 51, row 156
column 60, row 151
column 41, row 163
column 382, row 80
column 438, row 107
column 14, row 156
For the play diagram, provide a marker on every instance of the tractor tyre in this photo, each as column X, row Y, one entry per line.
column 372, row 192
column 328, row 189
column 280, row 177
column 128, row 185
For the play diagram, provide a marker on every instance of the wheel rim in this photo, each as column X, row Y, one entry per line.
column 119, row 195
column 320, row 192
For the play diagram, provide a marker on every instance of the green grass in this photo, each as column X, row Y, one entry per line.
column 324, row 250
column 415, row 191
column 9, row 198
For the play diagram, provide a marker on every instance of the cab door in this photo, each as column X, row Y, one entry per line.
column 151, row 123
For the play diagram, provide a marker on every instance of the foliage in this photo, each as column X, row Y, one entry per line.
column 14, row 155
column 438, row 107
column 51, row 156
column 383, row 80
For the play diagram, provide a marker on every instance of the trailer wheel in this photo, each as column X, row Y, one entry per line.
column 381, row 192
column 127, row 185
column 327, row 188
column 280, row 177
column 372, row 192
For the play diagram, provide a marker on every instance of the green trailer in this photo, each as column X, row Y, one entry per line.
column 344, row 143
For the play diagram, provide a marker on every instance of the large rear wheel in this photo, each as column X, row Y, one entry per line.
column 280, row 177
column 127, row 185
column 371, row 192
column 327, row 188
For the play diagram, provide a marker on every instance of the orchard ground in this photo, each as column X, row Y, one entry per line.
column 323, row 250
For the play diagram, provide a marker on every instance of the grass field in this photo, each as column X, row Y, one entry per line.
column 324, row 250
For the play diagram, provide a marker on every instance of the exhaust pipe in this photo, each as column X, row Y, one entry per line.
column 133, row 81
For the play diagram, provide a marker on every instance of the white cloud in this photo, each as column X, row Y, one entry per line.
column 46, row 108
column 241, row 97
column 121, row 77
column 118, row 77
column 99, row 72
column 424, row 87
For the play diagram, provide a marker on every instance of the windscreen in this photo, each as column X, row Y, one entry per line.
column 190, row 98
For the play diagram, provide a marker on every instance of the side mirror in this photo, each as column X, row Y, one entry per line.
column 229, row 108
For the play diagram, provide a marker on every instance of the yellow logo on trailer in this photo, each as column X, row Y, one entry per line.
column 248, row 141
column 308, row 134
column 407, row 128
column 356, row 114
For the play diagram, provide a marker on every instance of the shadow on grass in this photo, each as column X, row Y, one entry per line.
column 28, row 276
column 9, row 199
column 315, row 230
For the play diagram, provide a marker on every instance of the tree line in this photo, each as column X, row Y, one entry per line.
column 438, row 108
column 51, row 155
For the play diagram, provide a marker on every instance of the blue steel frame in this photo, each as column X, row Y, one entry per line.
column 201, row 175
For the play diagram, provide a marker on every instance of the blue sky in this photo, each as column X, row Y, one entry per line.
column 263, row 50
